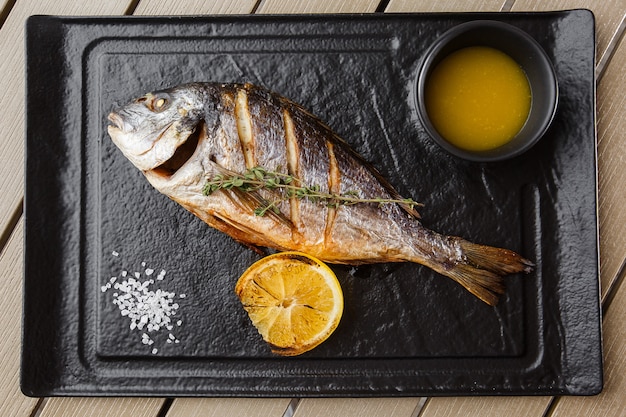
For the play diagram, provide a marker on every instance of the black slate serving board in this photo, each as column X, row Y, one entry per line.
column 406, row 330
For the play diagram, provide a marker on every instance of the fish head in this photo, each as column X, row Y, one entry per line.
column 151, row 130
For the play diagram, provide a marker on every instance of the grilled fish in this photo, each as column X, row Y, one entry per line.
column 183, row 136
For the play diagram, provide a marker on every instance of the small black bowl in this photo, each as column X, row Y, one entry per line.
column 526, row 52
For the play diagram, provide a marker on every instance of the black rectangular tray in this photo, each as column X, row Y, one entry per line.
column 406, row 330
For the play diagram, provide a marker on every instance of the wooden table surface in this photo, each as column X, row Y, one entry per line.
column 611, row 128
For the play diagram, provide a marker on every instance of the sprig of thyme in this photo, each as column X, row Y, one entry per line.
column 258, row 178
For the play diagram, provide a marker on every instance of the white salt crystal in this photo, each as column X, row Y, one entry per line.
column 148, row 309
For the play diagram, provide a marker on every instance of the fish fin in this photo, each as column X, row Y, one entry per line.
column 485, row 285
column 484, row 268
column 498, row 260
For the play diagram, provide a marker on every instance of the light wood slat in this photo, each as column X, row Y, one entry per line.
column 194, row 7
column 611, row 105
column 101, row 407
column 608, row 14
column 398, row 6
column 317, row 6
column 357, row 407
column 612, row 401
column 486, row 406
column 223, row 407
column 12, row 401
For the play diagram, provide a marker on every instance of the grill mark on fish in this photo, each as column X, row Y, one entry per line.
column 244, row 127
column 334, row 187
column 227, row 147
column 293, row 169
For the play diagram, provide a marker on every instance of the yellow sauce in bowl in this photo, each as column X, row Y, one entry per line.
column 478, row 98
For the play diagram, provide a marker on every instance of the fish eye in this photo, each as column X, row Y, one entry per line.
column 159, row 103
column 156, row 103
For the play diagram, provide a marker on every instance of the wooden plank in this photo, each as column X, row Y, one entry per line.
column 485, row 406
column 611, row 402
column 357, row 407
column 608, row 13
column 102, row 407
column 194, row 7
column 13, row 402
column 222, row 407
column 317, row 6
column 398, row 6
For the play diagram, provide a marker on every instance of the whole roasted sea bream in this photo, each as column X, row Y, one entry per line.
column 185, row 136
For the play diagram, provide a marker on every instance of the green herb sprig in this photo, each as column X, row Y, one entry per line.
column 257, row 178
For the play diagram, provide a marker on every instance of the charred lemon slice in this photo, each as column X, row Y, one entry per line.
column 293, row 299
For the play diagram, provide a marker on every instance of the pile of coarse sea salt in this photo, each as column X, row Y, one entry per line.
column 149, row 309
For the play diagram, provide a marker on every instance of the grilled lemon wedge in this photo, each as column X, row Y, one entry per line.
column 293, row 299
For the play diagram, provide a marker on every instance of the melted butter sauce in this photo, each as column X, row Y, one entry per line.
column 478, row 98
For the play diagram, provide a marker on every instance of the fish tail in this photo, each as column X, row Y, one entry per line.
column 482, row 268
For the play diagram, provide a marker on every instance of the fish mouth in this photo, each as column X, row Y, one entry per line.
column 117, row 120
column 134, row 148
column 183, row 153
